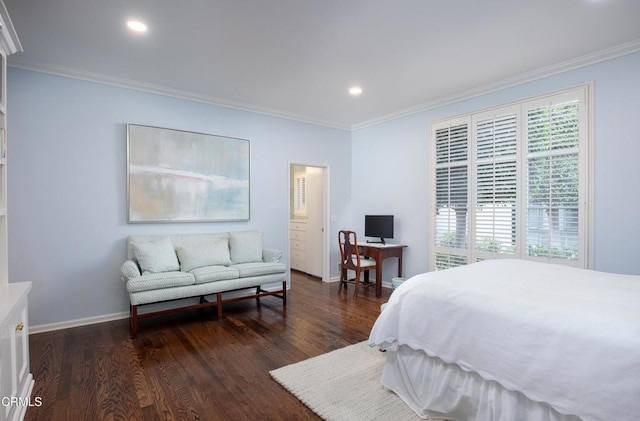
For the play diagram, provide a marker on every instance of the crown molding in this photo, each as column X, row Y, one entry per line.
column 41, row 67
column 589, row 59
column 586, row 60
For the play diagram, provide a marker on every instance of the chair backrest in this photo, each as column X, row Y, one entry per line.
column 349, row 249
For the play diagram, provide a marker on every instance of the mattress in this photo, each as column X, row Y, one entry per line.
column 566, row 337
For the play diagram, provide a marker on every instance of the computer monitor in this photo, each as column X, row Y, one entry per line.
column 378, row 226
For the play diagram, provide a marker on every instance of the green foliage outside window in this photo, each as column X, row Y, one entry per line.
column 565, row 253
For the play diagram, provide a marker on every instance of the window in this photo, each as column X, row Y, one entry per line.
column 451, row 193
column 511, row 182
column 300, row 194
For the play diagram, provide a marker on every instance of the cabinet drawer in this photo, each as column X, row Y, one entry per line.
column 298, row 226
column 298, row 235
column 298, row 263
column 297, row 245
column 297, row 254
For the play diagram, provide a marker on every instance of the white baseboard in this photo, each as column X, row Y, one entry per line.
column 107, row 317
column 78, row 322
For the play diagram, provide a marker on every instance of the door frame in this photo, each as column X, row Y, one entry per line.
column 325, row 211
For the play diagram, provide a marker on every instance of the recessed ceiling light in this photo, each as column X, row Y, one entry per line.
column 137, row 26
column 355, row 90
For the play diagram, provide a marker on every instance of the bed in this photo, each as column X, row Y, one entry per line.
column 514, row 340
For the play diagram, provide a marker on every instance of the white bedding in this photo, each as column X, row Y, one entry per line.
column 567, row 337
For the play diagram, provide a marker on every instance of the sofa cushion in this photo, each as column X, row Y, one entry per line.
column 259, row 268
column 156, row 255
column 245, row 246
column 271, row 255
column 159, row 280
column 214, row 273
column 183, row 240
column 209, row 253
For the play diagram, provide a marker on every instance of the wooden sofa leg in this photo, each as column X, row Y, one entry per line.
column 258, row 290
column 133, row 316
column 284, row 294
column 219, row 305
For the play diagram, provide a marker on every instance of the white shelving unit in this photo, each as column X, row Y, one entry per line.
column 16, row 381
column 9, row 44
column 4, row 275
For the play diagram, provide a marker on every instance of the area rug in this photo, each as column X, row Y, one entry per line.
column 344, row 385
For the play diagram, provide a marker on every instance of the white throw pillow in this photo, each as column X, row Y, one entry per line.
column 156, row 255
column 246, row 246
column 193, row 256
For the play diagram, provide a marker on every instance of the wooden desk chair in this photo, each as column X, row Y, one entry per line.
column 350, row 259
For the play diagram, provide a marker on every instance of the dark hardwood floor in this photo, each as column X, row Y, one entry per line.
column 191, row 366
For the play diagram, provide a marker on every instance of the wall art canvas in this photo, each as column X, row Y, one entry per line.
column 181, row 176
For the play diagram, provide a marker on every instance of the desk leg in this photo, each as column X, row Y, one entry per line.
column 379, row 278
column 400, row 265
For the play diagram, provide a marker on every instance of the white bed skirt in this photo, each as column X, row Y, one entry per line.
column 435, row 389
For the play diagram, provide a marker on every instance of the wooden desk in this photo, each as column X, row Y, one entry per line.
column 379, row 252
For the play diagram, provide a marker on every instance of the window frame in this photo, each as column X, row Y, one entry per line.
column 583, row 92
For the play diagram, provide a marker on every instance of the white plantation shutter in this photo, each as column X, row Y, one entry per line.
column 300, row 194
column 554, row 188
column 451, row 193
column 496, row 158
column 511, row 182
column 452, row 143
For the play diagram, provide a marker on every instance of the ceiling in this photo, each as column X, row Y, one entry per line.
column 298, row 58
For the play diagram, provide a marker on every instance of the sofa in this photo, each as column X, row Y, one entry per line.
column 162, row 268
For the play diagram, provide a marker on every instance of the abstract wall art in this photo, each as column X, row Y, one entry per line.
column 181, row 176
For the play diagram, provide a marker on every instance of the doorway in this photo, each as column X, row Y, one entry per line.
column 308, row 210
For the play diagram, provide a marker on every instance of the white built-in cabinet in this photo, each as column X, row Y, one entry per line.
column 298, row 242
column 16, row 381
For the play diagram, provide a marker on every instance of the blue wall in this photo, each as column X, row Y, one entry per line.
column 67, row 177
column 67, row 184
column 393, row 157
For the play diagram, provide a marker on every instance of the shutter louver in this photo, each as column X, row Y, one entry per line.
column 496, row 185
column 451, row 179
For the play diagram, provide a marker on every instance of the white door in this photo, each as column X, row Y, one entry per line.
column 315, row 221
